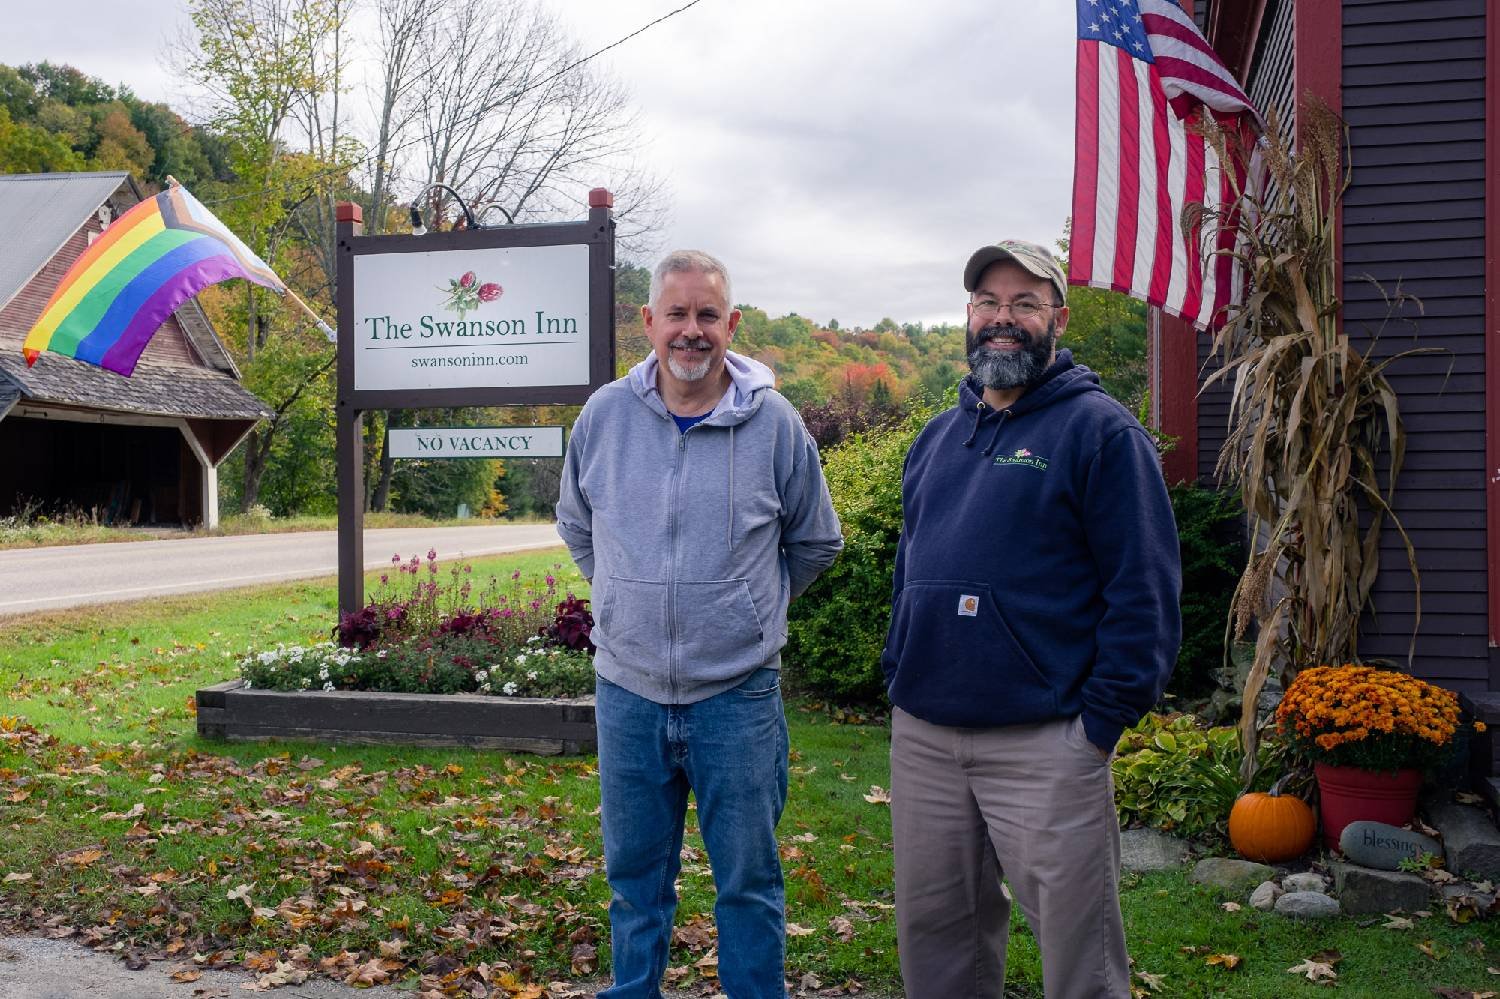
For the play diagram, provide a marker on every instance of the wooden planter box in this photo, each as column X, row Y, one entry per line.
column 532, row 725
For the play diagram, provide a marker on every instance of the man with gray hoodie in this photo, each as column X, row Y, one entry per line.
column 693, row 501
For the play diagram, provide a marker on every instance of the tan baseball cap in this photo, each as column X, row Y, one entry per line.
column 1032, row 258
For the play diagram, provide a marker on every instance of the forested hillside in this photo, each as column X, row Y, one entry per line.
column 277, row 150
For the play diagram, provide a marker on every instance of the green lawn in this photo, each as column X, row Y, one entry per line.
column 381, row 862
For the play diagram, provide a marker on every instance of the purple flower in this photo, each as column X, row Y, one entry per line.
column 467, row 281
column 432, row 554
column 489, row 292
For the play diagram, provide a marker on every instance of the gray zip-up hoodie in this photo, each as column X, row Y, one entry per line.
column 694, row 542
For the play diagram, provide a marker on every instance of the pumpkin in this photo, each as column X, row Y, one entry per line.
column 1270, row 827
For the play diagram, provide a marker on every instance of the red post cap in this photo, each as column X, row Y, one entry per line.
column 348, row 211
column 600, row 197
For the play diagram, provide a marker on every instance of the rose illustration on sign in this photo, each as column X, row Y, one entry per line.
column 466, row 292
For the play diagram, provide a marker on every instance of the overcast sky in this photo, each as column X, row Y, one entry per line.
column 843, row 157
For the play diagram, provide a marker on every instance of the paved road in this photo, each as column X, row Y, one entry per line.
column 33, row 579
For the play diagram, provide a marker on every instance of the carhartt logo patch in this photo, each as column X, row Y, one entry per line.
column 1022, row 456
column 968, row 606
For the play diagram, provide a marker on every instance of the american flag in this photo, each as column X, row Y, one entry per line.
column 1144, row 73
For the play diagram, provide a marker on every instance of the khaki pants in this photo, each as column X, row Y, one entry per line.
column 1033, row 804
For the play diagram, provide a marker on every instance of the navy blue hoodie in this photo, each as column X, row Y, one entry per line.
column 1038, row 571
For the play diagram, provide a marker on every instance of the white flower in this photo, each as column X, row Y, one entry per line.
column 509, row 689
column 531, row 675
column 521, row 659
column 380, row 654
column 323, row 672
column 533, row 638
column 484, row 688
column 306, row 683
column 481, row 675
column 248, row 685
column 328, row 685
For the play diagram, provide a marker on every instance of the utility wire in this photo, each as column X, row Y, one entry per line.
column 334, row 171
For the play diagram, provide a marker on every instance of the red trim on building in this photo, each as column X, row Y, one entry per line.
column 1176, row 401
column 1318, row 70
column 1172, row 359
column 1234, row 29
column 1492, row 313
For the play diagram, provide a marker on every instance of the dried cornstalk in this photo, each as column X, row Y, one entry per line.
column 1309, row 416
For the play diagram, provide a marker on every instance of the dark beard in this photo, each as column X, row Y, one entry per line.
column 1011, row 369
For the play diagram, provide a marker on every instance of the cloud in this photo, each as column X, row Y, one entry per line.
column 843, row 157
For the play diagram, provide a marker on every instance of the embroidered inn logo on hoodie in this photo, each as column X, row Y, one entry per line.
column 1022, row 456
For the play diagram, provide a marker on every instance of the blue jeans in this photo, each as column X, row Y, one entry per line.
column 731, row 751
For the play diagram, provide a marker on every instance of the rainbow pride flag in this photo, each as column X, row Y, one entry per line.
column 119, row 292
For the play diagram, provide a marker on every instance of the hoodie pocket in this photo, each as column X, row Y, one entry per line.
column 717, row 631
column 952, row 652
column 632, row 622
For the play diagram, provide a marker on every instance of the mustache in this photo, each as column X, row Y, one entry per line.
column 690, row 343
column 994, row 331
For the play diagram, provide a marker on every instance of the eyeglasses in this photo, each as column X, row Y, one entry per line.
column 988, row 308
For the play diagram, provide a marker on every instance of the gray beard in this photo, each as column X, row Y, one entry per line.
column 1011, row 369
column 684, row 372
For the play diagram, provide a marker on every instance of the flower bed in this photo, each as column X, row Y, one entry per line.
column 426, row 665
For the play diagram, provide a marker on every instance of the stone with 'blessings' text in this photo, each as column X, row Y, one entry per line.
column 1383, row 847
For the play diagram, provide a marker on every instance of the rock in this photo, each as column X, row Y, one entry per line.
column 1307, row 905
column 1382, row 846
column 1227, row 872
column 1470, row 838
column 1265, row 896
column 1151, row 850
column 1363, row 891
column 1306, row 881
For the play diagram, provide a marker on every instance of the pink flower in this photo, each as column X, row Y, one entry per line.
column 431, row 554
column 489, row 292
column 467, row 281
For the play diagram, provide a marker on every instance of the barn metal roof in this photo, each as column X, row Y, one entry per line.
column 39, row 212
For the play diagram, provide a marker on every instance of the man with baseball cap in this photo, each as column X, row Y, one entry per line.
column 1035, row 617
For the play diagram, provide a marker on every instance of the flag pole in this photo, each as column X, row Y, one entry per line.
column 287, row 292
column 323, row 327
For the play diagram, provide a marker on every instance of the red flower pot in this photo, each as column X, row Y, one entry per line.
column 1349, row 794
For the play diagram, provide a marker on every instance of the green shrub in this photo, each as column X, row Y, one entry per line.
column 1213, row 554
column 835, row 630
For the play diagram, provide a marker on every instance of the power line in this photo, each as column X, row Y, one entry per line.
column 334, row 171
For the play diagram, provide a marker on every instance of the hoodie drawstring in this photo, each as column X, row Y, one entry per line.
column 978, row 415
column 731, row 487
column 995, row 438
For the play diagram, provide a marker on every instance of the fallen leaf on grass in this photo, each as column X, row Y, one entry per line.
column 15, row 876
column 795, row 930
column 585, row 959
column 842, row 928
column 1431, row 949
column 1153, row 982
column 1396, row 923
column 878, row 795
column 1316, row 971
column 82, row 858
column 1230, row 961
column 1230, row 906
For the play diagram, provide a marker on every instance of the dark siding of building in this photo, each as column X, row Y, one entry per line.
column 1413, row 92
column 1269, row 86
